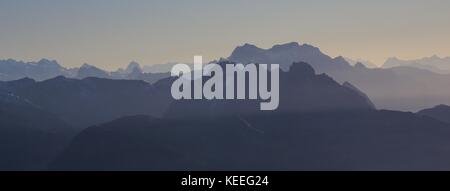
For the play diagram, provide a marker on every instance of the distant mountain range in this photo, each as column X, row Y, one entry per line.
column 399, row 88
column 76, row 103
column 90, row 101
column 433, row 63
column 399, row 85
column 366, row 63
column 41, row 70
column 46, row 69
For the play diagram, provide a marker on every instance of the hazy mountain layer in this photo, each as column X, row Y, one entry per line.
column 433, row 63
column 398, row 88
column 46, row 69
column 301, row 90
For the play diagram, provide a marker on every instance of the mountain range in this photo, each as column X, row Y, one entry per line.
column 398, row 85
column 433, row 63
column 43, row 69
column 402, row 88
column 330, row 117
column 46, row 69
column 286, row 54
column 79, row 103
column 90, row 101
column 366, row 63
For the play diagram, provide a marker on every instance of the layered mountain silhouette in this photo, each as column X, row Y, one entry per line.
column 46, row 69
column 368, row 140
column 399, row 85
column 29, row 137
column 399, row 88
column 301, row 90
column 87, row 70
column 90, row 101
column 132, row 72
column 286, row 54
column 127, row 119
column 86, row 102
column 432, row 63
column 439, row 112
column 366, row 63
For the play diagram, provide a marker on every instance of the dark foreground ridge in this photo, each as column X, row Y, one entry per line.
column 371, row 140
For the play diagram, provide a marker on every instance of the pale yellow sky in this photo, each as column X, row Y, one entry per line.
column 111, row 33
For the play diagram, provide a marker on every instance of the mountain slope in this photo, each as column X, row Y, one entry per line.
column 398, row 88
column 29, row 136
column 370, row 140
column 433, row 63
column 44, row 69
column 87, row 70
column 366, row 63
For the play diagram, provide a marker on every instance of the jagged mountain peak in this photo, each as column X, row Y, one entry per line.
column 286, row 54
column 286, row 46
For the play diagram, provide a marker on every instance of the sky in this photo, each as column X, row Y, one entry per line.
column 111, row 33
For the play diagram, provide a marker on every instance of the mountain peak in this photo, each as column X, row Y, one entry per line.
column 310, row 47
column 247, row 48
column 360, row 65
column 286, row 54
column 87, row 70
column 340, row 58
column 133, row 67
column 86, row 65
column 48, row 63
column 45, row 60
column 245, row 51
column 248, row 45
column 289, row 45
